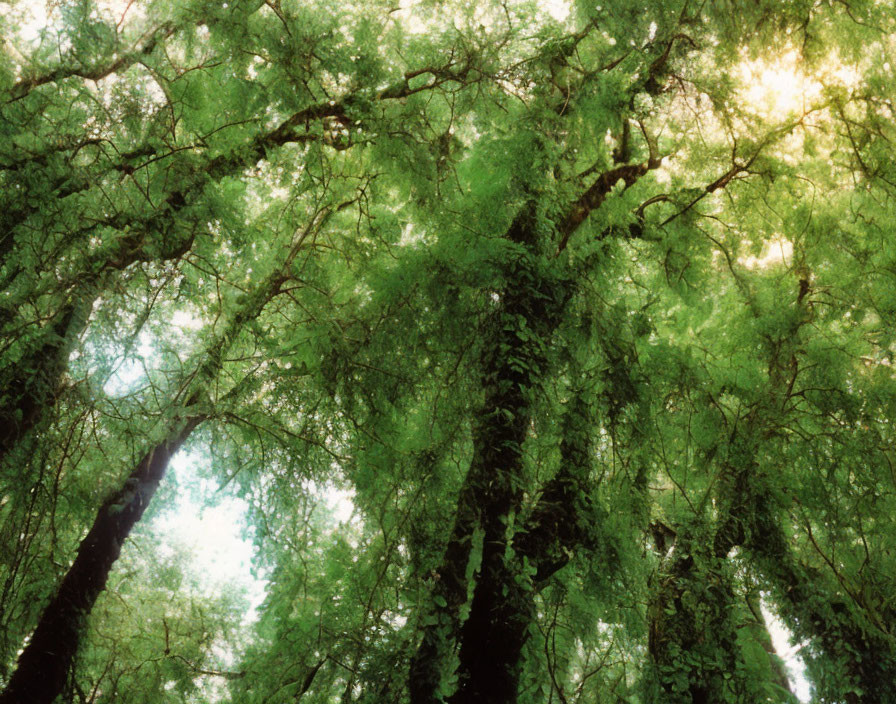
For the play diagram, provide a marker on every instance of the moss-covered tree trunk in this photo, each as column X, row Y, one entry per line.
column 491, row 638
column 490, row 641
column 32, row 384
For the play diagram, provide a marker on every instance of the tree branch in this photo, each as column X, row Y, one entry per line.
column 24, row 86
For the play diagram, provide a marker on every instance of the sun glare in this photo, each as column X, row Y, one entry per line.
column 776, row 88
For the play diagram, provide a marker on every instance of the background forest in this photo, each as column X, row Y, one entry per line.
column 533, row 352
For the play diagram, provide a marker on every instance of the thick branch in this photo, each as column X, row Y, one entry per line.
column 95, row 73
column 595, row 196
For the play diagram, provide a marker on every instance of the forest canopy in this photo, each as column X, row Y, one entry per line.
column 584, row 312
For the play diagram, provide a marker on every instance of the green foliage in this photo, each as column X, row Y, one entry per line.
column 588, row 315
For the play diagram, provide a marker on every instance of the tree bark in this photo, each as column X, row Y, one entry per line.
column 492, row 638
column 41, row 670
column 492, row 489
column 558, row 525
column 43, row 666
column 750, row 518
column 494, row 635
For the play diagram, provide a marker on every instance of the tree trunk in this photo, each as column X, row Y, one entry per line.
column 43, row 666
column 492, row 638
column 33, row 384
column 492, row 490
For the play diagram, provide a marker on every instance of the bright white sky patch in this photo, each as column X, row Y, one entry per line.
column 558, row 9
column 129, row 372
column 340, row 502
column 35, row 20
column 212, row 529
column 776, row 252
column 778, row 87
column 781, row 639
column 38, row 16
column 415, row 22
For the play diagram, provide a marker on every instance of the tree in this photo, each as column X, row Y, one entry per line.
column 587, row 306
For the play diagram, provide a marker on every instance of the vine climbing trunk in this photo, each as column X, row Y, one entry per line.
column 44, row 664
column 490, row 641
column 492, row 490
column 503, row 607
column 492, row 637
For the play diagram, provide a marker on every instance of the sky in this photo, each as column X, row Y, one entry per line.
column 212, row 525
column 789, row 653
column 213, row 528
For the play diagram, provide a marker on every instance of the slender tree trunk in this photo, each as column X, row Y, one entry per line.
column 559, row 524
column 43, row 666
column 804, row 594
column 41, row 670
column 35, row 383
